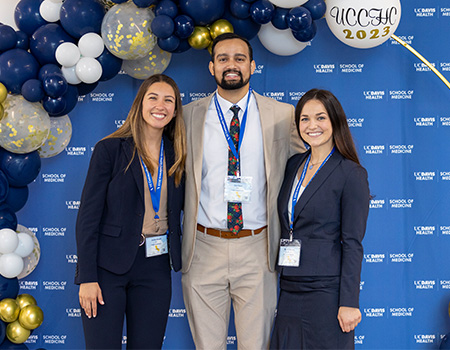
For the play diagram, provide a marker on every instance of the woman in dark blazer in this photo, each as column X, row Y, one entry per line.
column 321, row 247
column 128, row 226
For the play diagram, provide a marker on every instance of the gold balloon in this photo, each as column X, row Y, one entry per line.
column 2, row 111
column 16, row 333
column 219, row 27
column 200, row 38
column 31, row 317
column 3, row 93
column 25, row 300
column 9, row 310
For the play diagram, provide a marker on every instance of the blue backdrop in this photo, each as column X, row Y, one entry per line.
column 399, row 114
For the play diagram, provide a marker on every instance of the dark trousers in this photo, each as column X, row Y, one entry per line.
column 307, row 315
column 142, row 295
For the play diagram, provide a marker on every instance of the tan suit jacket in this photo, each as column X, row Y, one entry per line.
column 280, row 139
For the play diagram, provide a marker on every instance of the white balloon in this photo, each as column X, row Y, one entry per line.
column 279, row 42
column 287, row 4
column 11, row 265
column 30, row 262
column 8, row 240
column 67, row 54
column 363, row 24
column 49, row 10
column 25, row 246
column 89, row 70
column 71, row 75
column 91, row 45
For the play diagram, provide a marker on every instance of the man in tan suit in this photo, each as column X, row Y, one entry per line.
column 231, row 256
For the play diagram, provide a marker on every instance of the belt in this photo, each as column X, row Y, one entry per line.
column 228, row 234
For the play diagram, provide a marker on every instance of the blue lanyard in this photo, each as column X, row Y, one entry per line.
column 226, row 131
column 299, row 184
column 155, row 193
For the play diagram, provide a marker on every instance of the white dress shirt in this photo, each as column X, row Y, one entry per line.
column 212, row 211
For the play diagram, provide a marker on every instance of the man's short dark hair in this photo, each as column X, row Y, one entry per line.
column 229, row 36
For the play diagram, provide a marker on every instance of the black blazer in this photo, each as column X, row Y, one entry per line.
column 330, row 220
column 111, row 214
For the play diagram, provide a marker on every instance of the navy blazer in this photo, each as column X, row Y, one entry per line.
column 111, row 214
column 330, row 220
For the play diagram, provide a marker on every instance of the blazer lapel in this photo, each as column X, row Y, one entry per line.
column 317, row 181
column 266, row 114
column 135, row 166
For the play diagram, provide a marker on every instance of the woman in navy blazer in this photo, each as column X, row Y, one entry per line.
column 321, row 247
column 123, row 267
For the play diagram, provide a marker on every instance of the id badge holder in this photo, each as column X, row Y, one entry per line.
column 238, row 189
column 289, row 254
column 156, row 245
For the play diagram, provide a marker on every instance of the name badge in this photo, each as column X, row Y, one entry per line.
column 289, row 252
column 156, row 245
column 238, row 189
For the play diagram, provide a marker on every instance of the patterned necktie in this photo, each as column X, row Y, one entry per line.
column 234, row 215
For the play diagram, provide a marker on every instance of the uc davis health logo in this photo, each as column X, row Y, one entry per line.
column 424, row 284
column 425, row 338
column 374, row 311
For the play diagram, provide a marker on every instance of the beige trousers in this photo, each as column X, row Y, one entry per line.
column 225, row 270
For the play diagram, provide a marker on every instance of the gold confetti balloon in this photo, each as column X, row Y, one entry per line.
column 9, row 310
column 200, row 38
column 16, row 333
column 126, row 31
column 220, row 26
column 25, row 125
column 31, row 317
column 155, row 62
column 58, row 138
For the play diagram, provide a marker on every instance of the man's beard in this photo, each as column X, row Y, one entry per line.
column 232, row 85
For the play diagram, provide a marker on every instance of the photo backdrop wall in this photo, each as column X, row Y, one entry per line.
column 399, row 114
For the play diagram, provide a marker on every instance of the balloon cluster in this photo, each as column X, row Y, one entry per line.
column 195, row 23
column 19, row 314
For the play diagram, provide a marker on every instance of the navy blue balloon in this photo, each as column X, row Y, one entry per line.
column 79, row 17
column 279, row 19
column 16, row 199
column 306, row 34
column 55, row 85
column 32, row 90
column 16, row 67
column 8, row 219
column 166, row 7
column 20, row 169
column 246, row 28
column 9, row 288
column 2, row 330
column 144, row 3
column 240, row 9
column 169, row 44
column 119, row 1
column 299, row 18
column 203, row 12
column 49, row 68
column 250, row 1
column 317, row 8
column 162, row 26
column 45, row 41
column 84, row 89
column 23, row 41
column 183, row 47
column 53, row 105
column 184, row 26
column 27, row 16
column 262, row 11
column 111, row 65
column 70, row 99
column 4, row 187
column 7, row 345
column 8, row 37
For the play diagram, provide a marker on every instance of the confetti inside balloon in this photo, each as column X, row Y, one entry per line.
column 154, row 63
column 58, row 138
column 25, row 126
column 126, row 31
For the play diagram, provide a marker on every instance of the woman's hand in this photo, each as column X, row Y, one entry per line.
column 348, row 317
column 89, row 294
